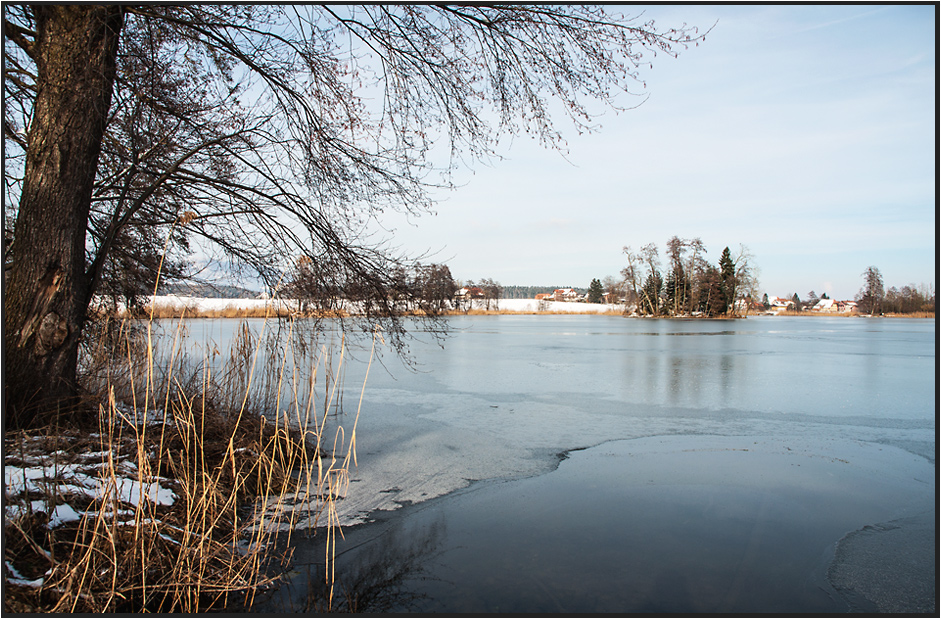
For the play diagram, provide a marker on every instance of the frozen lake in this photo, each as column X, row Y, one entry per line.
column 587, row 464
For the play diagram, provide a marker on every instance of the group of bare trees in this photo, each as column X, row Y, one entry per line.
column 910, row 299
column 688, row 284
column 325, row 288
column 874, row 299
column 489, row 296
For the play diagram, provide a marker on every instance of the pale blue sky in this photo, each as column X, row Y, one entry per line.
column 806, row 133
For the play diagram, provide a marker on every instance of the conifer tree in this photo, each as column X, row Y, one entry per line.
column 727, row 271
column 595, row 291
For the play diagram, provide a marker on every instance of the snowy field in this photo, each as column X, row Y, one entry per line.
column 523, row 306
column 557, row 307
column 203, row 304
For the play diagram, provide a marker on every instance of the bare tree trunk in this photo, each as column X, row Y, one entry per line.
column 47, row 293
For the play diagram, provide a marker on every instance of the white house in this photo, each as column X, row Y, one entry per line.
column 780, row 304
column 829, row 306
column 469, row 294
column 825, row 305
column 565, row 294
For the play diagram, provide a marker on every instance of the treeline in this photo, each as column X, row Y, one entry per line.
column 426, row 289
column 328, row 287
column 207, row 290
column 909, row 300
column 685, row 283
column 873, row 299
column 530, row 292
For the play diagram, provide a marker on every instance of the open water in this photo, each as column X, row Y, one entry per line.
column 583, row 464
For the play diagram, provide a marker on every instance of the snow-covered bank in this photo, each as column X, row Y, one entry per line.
column 202, row 305
column 138, row 517
column 206, row 304
column 532, row 306
column 232, row 308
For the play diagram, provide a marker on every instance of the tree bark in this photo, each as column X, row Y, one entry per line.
column 48, row 291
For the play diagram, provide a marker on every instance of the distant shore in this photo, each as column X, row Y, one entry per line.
column 174, row 306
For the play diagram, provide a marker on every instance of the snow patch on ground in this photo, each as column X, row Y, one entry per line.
column 15, row 578
column 54, row 480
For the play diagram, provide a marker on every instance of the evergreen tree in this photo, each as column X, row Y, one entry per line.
column 650, row 294
column 712, row 297
column 595, row 292
column 677, row 291
column 670, row 294
column 727, row 272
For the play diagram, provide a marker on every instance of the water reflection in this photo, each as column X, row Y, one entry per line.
column 695, row 369
column 373, row 571
column 685, row 525
column 773, row 364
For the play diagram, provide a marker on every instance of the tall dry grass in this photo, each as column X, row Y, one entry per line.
column 272, row 309
column 245, row 465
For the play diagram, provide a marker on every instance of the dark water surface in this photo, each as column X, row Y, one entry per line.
column 582, row 464
column 684, row 524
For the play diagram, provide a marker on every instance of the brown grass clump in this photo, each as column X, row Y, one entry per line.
column 912, row 315
column 271, row 309
column 191, row 311
column 173, row 502
column 818, row 314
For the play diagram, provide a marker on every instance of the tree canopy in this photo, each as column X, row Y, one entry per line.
column 692, row 285
column 139, row 137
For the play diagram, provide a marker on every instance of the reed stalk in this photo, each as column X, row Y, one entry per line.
column 238, row 469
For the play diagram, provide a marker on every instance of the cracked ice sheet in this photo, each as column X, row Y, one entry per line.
column 418, row 457
column 414, row 447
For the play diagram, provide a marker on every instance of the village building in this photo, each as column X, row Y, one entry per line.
column 566, row 294
column 830, row 306
column 469, row 294
column 780, row 304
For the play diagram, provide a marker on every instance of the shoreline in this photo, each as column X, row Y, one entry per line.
column 177, row 307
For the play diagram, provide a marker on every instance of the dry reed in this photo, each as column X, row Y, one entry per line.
column 283, row 309
column 240, row 474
